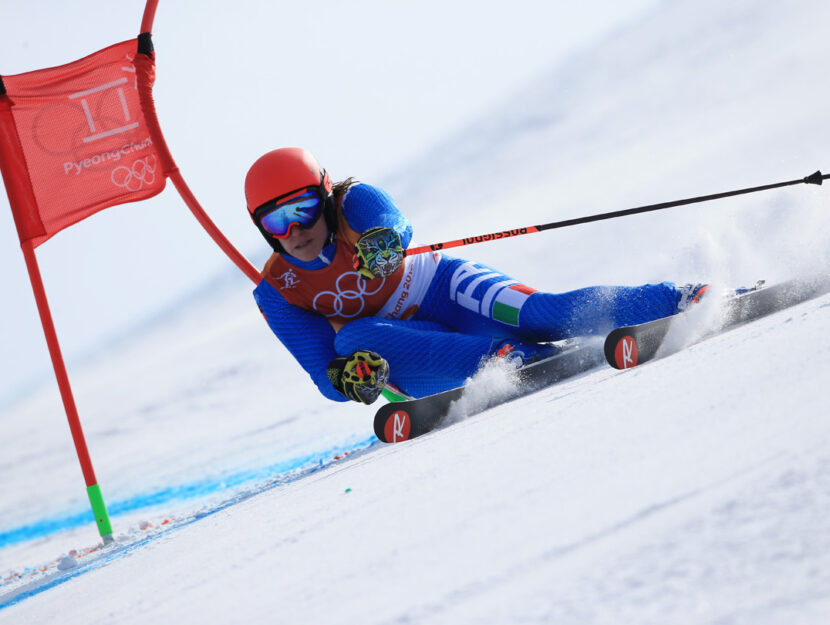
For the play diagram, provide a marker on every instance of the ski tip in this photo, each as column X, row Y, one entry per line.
column 622, row 353
column 395, row 428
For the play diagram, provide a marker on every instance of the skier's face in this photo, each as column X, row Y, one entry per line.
column 306, row 244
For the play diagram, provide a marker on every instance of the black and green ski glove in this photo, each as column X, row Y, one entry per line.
column 360, row 377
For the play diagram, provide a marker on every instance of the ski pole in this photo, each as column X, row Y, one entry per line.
column 816, row 178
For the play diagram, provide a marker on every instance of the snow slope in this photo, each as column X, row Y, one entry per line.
column 691, row 490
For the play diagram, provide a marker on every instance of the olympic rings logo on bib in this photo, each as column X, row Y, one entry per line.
column 346, row 302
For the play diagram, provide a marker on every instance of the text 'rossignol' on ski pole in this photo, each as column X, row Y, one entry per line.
column 816, row 178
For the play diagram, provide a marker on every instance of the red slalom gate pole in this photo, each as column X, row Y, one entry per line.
column 171, row 170
column 149, row 16
column 815, row 178
column 96, row 499
column 145, row 76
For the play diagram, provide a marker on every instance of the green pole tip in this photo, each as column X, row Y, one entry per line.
column 99, row 509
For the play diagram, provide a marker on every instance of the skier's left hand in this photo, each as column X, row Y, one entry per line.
column 378, row 253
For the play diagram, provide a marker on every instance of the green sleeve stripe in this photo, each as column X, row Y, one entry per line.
column 391, row 395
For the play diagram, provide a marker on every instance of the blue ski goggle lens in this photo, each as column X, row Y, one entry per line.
column 302, row 210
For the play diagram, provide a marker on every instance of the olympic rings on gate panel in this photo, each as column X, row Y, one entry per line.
column 142, row 172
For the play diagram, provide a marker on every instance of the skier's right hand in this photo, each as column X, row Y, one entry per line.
column 360, row 377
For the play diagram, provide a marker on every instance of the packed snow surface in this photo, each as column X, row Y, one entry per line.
column 693, row 489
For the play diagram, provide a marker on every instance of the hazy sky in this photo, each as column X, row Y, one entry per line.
column 366, row 85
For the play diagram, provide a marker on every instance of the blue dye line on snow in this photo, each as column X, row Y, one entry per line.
column 316, row 463
column 181, row 492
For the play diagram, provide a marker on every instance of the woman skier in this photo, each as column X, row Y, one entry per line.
column 358, row 314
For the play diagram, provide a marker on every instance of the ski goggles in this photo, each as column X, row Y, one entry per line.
column 301, row 209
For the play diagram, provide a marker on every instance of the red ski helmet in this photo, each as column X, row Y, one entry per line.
column 282, row 172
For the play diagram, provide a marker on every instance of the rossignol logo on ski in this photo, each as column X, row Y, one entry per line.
column 625, row 355
column 398, row 426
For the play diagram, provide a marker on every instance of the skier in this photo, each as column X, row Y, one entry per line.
column 357, row 314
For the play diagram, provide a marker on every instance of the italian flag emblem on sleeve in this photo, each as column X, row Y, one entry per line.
column 508, row 303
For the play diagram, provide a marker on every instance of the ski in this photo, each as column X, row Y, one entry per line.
column 629, row 346
column 404, row 420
